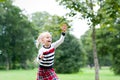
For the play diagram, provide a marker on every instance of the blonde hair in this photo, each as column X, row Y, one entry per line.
column 40, row 37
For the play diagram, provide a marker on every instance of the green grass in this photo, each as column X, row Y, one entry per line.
column 84, row 74
column 88, row 74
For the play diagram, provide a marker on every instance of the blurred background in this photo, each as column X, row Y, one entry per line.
column 92, row 40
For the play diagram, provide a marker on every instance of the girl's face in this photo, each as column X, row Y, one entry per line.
column 47, row 40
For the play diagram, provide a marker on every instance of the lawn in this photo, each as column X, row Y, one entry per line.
column 84, row 74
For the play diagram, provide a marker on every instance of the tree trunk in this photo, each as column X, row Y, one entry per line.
column 7, row 62
column 96, row 64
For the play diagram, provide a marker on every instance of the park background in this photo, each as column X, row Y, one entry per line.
column 74, row 58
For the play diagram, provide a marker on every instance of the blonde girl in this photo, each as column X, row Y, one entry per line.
column 46, row 54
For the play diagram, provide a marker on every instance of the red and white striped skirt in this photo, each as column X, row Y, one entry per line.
column 46, row 74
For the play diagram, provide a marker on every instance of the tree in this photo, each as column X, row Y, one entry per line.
column 103, row 47
column 86, row 9
column 41, row 19
column 110, row 45
column 110, row 15
column 16, row 37
column 106, row 16
column 87, row 47
column 115, row 42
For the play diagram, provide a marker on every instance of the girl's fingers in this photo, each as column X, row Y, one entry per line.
column 64, row 27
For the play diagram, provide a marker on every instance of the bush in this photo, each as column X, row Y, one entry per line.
column 68, row 56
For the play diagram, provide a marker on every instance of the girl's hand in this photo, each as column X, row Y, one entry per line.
column 64, row 28
column 41, row 56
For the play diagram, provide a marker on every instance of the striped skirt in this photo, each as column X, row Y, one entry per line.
column 46, row 74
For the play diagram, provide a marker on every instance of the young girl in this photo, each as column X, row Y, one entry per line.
column 46, row 54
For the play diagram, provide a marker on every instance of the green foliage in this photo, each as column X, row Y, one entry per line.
column 83, row 8
column 69, row 56
column 107, row 40
column 46, row 22
column 107, row 17
column 87, row 47
column 103, row 47
column 109, row 44
column 86, row 9
column 110, row 13
column 2, row 0
column 16, row 37
column 115, row 43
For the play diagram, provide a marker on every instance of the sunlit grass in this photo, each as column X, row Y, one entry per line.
column 84, row 74
column 88, row 74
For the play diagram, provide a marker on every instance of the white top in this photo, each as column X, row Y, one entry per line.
column 48, row 53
